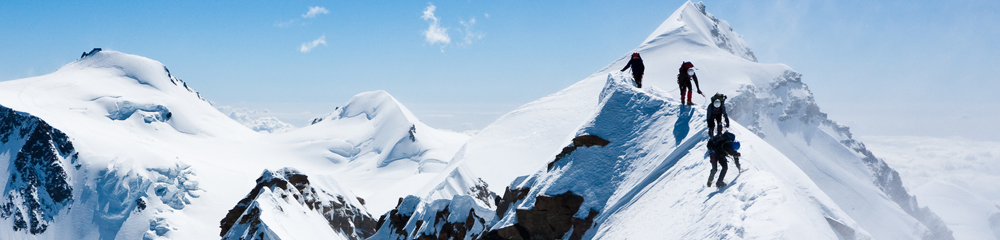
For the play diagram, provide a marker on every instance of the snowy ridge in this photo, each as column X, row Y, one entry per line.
column 652, row 172
column 112, row 88
column 786, row 109
column 378, row 146
column 522, row 141
column 693, row 19
column 396, row 125
column 286, row 205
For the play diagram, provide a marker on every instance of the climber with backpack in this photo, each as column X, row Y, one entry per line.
column 684, row 81
column 637, row 69
column 719, row 147
column 716, row 112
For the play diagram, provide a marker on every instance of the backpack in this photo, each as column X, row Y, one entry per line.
column 720, row 142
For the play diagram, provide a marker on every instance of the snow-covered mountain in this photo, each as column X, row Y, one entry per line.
column 113, row 146
column 769, row 101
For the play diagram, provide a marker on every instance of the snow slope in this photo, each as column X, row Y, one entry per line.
column 150, row 158
column 769, row 99
column 653, row 171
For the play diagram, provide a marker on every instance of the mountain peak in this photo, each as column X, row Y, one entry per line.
column 700, row 26
column 141, row 69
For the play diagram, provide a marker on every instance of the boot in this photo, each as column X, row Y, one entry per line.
column 720, row 184
column 710, row 178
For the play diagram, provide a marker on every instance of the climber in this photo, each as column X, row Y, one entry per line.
column 719, row 147
column 637, row 69
column 684, row 81
column 716, row 112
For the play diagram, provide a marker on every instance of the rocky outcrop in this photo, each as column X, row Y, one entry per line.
column 550, row 218
column 579, row 141
column 456, row 218
column 289, row 186
column 39, row 186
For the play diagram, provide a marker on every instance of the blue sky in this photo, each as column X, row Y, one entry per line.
column 881, row 67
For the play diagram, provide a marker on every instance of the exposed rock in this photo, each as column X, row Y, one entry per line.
column 481, row 191
column 579, row 141
column 39, row 186
column 510, row 197
column 550, row 218
column 92, row 52
column 589, row 140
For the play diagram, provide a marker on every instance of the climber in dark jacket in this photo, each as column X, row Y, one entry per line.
column 719, row 147
column 716, row 112
column 684, row 81
column 637, row 69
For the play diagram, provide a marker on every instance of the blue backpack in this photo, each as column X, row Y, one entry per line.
column 720, row 142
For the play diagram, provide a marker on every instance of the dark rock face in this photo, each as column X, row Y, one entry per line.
column 580, row 141
column 589, row 140
column 510, row 197
column 397, row 218
column 550, row 218
column 341, row 215
column 39, row 186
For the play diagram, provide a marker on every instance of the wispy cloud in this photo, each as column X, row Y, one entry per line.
column 434, row 33
column 470, row 35
column 286, row 23
column 308, row 46
column 313, row 11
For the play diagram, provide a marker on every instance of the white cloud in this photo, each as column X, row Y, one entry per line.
column 470, row 35
column 308, row 46
column 487, row 15
column 434, row 33
column 286, row 23
column 313, row 11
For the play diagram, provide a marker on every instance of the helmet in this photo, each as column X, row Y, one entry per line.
column 717, row 103
column 635, row 54
column 736, row 145
column 690, row 71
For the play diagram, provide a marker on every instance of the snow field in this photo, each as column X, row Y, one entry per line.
column 142, row 134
